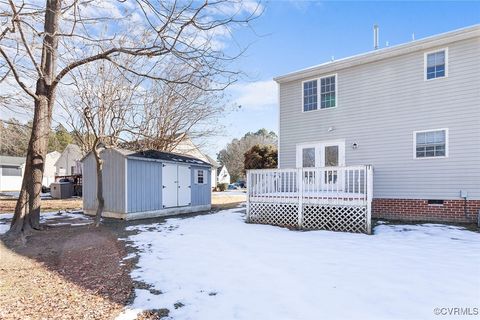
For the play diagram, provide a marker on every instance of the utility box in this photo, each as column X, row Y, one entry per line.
column 61, row 190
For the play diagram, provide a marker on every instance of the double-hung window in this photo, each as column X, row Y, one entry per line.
column 310, row 95
column 431, row 144
column 436, row 64
column 327, row 92
column 320, row 93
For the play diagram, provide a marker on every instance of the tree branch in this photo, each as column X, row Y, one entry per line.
column 17, row 76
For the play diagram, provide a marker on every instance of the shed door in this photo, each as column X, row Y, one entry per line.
column 184, row 190
column 170, row 186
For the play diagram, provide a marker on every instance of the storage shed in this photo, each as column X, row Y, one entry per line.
column 147, row 184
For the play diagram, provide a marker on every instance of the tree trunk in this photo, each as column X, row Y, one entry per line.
column 100, row 199
column 27, row 210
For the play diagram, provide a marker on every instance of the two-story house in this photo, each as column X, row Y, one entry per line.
column 410, row 111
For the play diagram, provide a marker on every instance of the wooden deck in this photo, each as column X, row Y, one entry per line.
column 332, row 198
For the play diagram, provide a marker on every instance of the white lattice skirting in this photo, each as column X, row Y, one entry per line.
column 348, row 218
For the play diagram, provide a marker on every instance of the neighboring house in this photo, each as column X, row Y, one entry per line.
column 224, row 176
column 12, row 169
column 69, row 161
column 187, row 147
column 11, row 173
column 50, row 169
column 147, row 184
column 411, row 111
column 215, row 166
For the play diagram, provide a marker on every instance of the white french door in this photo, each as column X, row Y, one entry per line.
column 321, row 155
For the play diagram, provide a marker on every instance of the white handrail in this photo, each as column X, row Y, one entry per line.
column 314, row 185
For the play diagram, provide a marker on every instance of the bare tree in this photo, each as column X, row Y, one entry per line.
column 101, row 106
column 14, row 137
column 40, row 45
column 173, row 111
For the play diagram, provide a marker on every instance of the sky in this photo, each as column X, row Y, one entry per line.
column 292, row 35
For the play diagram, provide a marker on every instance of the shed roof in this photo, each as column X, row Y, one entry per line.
column 11, row 161
column 156, row 155
column 161, row 155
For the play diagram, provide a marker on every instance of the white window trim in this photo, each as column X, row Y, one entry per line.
column 205, row 172
column 319, row 155
column 447, row 148
column 319, row 93
column 425, row 64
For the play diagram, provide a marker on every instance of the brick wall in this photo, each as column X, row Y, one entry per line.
column 420, row 210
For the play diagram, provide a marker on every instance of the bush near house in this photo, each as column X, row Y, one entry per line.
column 232, row 156
column 261, row 157
column 222, row 186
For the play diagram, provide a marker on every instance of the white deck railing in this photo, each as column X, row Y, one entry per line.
column 332, row 186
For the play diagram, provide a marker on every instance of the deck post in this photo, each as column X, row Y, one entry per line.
column 369, row 170
column 300, row 197
column 249, row 185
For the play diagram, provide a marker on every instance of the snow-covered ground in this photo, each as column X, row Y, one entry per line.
column 218, row 267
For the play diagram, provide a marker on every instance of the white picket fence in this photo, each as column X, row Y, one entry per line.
column 328, row 198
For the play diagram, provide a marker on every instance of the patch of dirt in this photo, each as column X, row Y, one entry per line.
column 227, row 201
column 7, row 204
column 153, row 314
column 64, row 273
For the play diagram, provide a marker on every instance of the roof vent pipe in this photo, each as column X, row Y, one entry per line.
column 375, row 37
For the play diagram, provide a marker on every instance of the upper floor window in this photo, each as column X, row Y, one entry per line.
column 310, row 95
column 429, row 144
column 326, row 94
column 436, row 64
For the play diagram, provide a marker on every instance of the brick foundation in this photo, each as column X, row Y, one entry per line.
column 420, row 210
